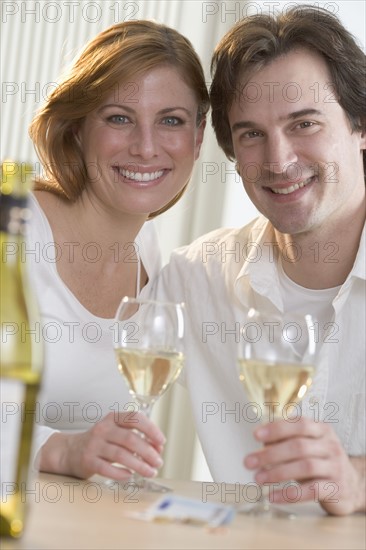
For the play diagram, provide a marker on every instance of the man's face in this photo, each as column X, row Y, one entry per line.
column 299, row 160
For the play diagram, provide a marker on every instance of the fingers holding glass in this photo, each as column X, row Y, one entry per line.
column 276, row 367
column 149, row 352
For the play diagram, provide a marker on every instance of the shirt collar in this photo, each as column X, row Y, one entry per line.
column 259, row 270
column 359, row 267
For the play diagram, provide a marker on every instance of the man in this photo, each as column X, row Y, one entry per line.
column 288, row 105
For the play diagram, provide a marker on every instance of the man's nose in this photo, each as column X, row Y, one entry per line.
column 280, row 154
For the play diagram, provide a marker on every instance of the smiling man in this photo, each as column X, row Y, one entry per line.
column 306, row 160
column 288, row 106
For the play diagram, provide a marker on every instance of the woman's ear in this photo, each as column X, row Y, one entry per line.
column 75, row 129
column 199, row 137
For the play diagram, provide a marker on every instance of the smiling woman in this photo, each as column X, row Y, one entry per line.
column 118, row 139
column 108, row 67
column 138, row 155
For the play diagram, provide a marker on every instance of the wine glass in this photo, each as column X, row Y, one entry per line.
column 276, row 368
column 149, row 351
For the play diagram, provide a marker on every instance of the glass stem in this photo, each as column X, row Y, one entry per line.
column 146, row 408
column 264, row 500
column 136, row 478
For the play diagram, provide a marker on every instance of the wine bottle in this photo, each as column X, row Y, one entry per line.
column 21, row 353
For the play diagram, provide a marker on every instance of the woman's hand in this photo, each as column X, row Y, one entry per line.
column 112, row 440
column 310, row 453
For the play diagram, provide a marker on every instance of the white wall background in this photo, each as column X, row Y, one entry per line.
column 39, row 38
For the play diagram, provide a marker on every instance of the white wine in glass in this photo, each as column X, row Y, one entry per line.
column 281, row 385
column 148, row 373
column 150, row 355
column 276, row 368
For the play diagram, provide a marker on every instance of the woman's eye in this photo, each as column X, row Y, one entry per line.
column 118, row 119
column 172, row 121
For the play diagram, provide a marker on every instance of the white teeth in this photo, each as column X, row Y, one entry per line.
column 138, row 176
column 292, row 188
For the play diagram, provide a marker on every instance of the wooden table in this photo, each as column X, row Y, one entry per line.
column 66, row 513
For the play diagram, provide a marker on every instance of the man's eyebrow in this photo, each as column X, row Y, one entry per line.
column 303, row 112
column 242, row 124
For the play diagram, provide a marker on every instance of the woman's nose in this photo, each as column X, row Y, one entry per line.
column 144, row 142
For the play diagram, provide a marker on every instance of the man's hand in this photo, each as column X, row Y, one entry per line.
column 310, row 453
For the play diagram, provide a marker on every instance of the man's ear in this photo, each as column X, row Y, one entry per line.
column 363, row 140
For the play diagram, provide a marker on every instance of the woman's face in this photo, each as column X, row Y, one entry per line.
column 140, row 144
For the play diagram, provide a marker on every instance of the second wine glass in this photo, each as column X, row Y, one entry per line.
column 150, row 355
column 276, row 368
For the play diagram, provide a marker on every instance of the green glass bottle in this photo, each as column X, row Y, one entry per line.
column 21, row 353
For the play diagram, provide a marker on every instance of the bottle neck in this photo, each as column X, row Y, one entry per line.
column 14, row 213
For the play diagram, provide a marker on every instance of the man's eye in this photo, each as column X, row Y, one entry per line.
column 306, row 124
column 252, row 134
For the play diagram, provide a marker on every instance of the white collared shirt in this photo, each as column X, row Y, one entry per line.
column 217, row 277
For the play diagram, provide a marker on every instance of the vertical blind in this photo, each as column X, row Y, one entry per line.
column 40, row 38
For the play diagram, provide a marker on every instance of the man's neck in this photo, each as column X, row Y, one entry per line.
column 323, row 258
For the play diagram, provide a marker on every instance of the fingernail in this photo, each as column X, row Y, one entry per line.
column 261, row 478
column 261, row 433
column 151, row 472
column 158, row 462
column 251, row 461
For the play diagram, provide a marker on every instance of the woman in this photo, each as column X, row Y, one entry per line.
column 117, row 139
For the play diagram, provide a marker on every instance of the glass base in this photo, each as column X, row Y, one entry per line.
column 144, row 484
column 264, row 509
column 140, row 484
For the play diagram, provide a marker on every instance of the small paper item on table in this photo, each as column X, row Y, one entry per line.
column 179, row 509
